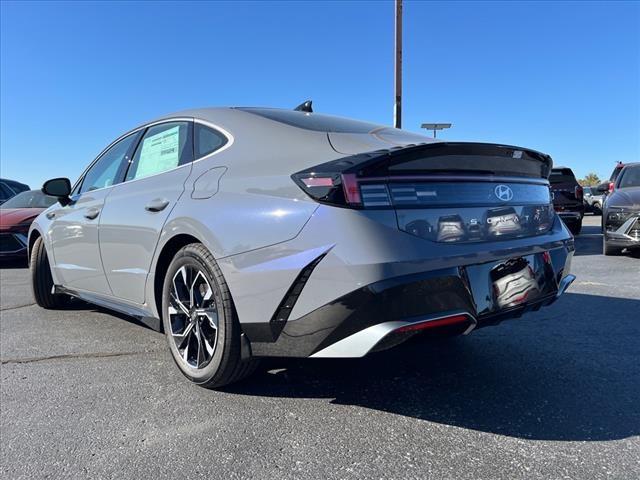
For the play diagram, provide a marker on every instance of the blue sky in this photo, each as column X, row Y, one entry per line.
column 563, row 78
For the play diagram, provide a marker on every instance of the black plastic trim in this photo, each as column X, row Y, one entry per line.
column 263, row 332
column 404, row 297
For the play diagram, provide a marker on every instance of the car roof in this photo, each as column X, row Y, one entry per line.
column 277, row 116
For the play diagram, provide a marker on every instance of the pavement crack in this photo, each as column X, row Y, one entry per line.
column 72, row 356
column 6, row 309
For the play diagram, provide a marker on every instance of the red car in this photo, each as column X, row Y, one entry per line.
column 16, row 215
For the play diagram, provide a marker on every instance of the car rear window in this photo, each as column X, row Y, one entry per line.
column 562, row 175
column 313, row 121
column 615, row 173
column 630, row 177
column 207, row 140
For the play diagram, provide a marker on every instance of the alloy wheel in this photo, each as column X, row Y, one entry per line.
column 193, row 316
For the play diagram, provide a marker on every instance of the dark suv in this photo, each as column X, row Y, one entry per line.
column 621, row 212
column 567, row 197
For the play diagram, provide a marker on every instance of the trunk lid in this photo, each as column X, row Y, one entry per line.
column 462, row 192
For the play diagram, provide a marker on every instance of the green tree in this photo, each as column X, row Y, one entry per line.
column 589, row 180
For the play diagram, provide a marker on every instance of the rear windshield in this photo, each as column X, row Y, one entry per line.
column 313, row 121
column 562, row 175
column 630, row 177
column 615, row 173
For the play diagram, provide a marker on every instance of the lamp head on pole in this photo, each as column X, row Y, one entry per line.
column 435, row 127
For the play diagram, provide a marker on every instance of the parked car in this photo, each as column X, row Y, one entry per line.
column 10, row 188
column 16, row 215
column 621, row 213
column 593, row 200
column 567, row 197
column 255, row 232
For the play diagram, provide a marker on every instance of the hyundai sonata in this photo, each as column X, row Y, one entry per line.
column 252, row 232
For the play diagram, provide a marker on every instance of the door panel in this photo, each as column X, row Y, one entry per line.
column 133, row 218
column 74, row 228
column 129, row 229
column 74, row 239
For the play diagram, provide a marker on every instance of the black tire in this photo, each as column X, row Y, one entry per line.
column 609, row 250
column 597, row 208
column 575, row 227
column 41, row 279
column 225, row 365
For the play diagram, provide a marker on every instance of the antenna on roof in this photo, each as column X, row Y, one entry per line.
column 304, row 107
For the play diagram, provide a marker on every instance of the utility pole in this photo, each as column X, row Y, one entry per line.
column 397, row 108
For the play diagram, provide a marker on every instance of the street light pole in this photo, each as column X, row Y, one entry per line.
column 397, row 108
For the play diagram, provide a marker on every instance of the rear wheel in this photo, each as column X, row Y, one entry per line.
column 575, row 227
column 200, row 321
column 41, row 279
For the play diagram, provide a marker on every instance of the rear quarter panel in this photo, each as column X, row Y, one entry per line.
column 249, row 201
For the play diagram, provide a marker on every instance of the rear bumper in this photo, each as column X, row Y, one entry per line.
column 571, row 216
column 375, row 316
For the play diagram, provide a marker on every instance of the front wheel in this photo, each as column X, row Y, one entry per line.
column 200, row 321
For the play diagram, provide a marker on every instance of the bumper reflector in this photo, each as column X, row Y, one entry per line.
column 435, row 323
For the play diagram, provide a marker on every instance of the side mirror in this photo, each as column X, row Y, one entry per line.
column 59, row 188
column 603, row 187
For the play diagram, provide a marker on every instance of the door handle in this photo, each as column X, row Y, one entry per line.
column 92, row 213
column 156, row 205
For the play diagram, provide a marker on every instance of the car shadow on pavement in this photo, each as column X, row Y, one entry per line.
column 13, row 264
column 552, row 376
column 589, row 241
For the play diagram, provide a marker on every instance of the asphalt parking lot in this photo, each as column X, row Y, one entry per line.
column 556, row 394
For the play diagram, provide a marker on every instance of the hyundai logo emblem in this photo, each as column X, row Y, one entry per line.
column 503, row 193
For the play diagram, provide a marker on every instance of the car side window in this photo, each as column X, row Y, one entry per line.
column 163, row 147
column 5, row 192
column 207, row 140
column 107, row 170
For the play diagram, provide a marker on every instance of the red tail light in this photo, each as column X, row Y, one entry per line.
column 368, row 180
column 611, row 187
column 351, row 188
column 341, row 189
column 579, row 192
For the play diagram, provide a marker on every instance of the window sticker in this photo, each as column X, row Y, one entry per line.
column 160, row 152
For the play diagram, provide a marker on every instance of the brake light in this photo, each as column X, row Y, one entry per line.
column 317, row 182
column 351, row 188
column 340, row 189
column 579, row 192
column 611, row 187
